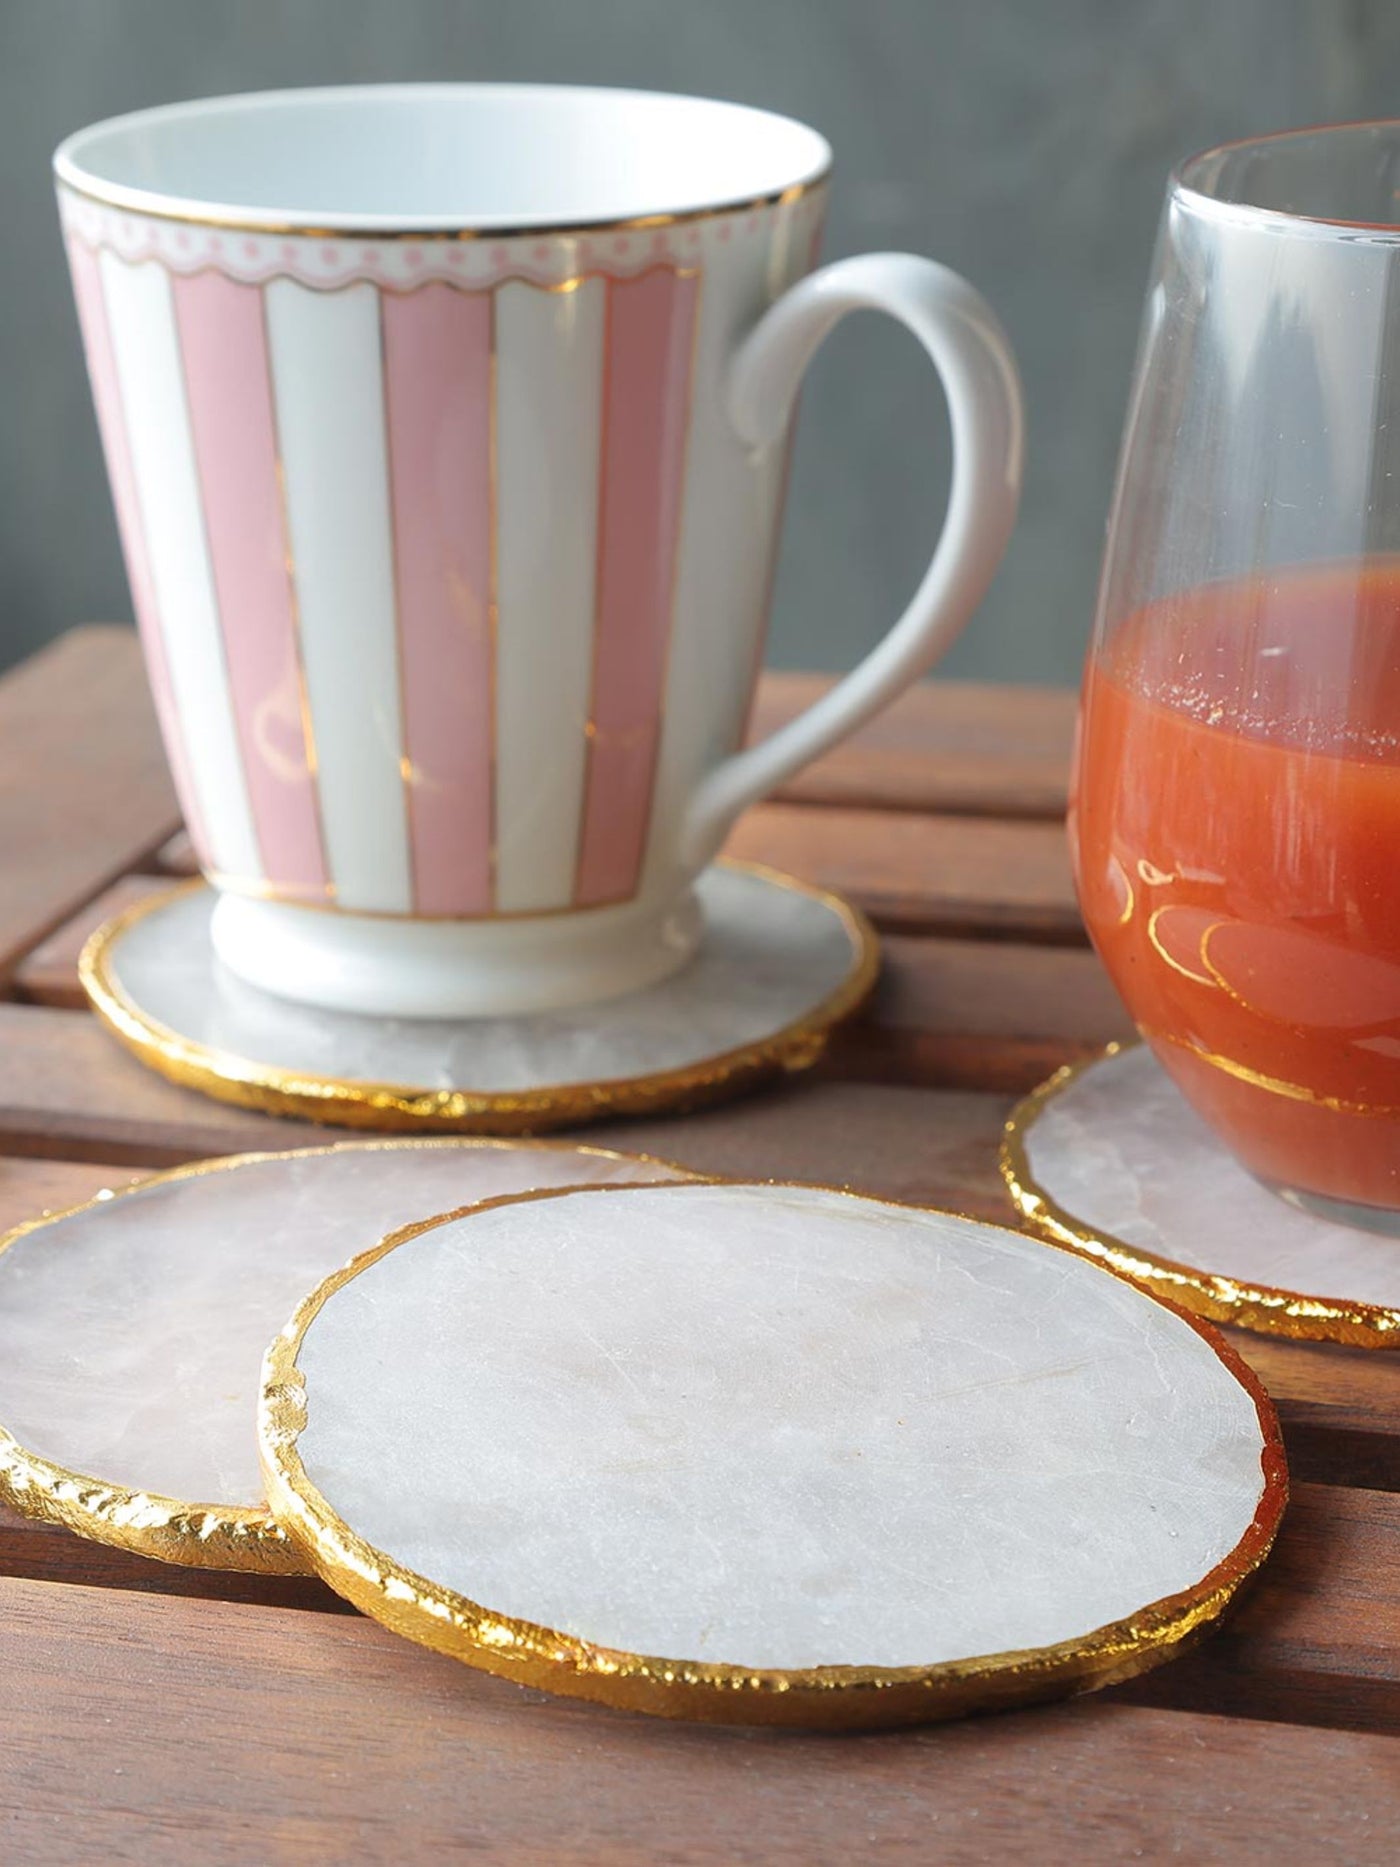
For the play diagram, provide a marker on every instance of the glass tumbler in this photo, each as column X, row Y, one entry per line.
column 1235, row 817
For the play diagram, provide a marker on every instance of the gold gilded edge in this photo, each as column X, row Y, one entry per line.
column 1257, row 1307
column 389, row 1107
column 166, row 1529
column 569, row 230
column 823, row 1697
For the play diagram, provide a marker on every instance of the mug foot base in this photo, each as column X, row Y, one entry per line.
column 379, row 966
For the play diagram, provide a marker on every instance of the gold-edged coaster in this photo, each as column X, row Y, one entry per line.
column 132, row 1327
column 1108, row 1158
column 781, row 965
column 845, row 1463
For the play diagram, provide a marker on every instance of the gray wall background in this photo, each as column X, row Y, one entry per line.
column 1024, row 143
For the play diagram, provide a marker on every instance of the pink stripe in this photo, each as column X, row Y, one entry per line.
column 223, row 344
column 646, row 394
column 438, row 389
column 111, row 422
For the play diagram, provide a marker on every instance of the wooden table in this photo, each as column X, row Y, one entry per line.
column 158, row 1713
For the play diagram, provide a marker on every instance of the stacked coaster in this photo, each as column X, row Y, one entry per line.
column 761, row 1453
column 132, row 1328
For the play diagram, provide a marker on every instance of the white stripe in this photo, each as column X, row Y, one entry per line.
column 727, row 525
column 146, row 343
column 549, row 363
column 327, row 374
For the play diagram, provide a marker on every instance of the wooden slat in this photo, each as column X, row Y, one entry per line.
column 69, row 1090
column 924, row 874
column 41, row 1552
column 960, row 1014
column 1224, row 1678
column 980, row 1014
column 241, row 1733
column 943, row 746
column 49, row 975
column 1340, row 1407
column 1318, row 1639
column 84, row 791
column 1332, row 1600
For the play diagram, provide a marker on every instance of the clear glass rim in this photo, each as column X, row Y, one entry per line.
column 1183, row 184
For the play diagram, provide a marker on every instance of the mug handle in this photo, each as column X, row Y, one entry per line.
column 969, row 349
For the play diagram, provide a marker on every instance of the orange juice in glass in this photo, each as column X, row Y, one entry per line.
column 1235, row 817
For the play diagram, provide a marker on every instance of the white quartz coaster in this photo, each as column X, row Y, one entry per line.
column 767, row 1453
column 779, row 966
column 1110, row 1158
column 132, row 1329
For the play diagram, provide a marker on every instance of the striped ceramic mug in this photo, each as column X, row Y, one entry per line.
column 447, row 427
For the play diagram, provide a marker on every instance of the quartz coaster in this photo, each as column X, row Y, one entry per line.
column 1109, row 1158
column 766, row 1454
column 132, row 1328
column 780, row 965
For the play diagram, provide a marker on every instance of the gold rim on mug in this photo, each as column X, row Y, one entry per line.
column 389, row 1107
column 175, row 1530
column 571, row 230
column 824, row 1697
column 1262, row 1308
